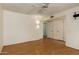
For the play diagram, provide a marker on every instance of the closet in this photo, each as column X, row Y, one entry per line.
column 56, row 28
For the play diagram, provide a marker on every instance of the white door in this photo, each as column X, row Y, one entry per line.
column 55, row 29
column 58, row 31
column 50, row 29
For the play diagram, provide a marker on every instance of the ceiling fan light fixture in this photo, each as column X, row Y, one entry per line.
column 51, row 16
column 45, row 5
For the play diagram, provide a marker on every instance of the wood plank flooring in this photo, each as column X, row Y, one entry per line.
column 40, row 47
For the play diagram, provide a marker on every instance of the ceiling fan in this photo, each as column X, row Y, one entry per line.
column 45, row 5
column 42, row 8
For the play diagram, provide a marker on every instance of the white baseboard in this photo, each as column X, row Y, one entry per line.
column 21, row 42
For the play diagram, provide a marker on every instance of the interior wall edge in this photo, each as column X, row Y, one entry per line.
column 1, row 27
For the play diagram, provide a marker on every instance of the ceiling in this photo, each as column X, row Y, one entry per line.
column 33, row 8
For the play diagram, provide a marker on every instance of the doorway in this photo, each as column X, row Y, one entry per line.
column 44, row 30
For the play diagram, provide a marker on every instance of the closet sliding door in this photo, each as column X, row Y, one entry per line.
column 58, row 31
column 56, row 28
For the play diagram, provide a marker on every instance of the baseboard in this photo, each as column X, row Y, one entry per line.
column 56, row 39
column 22, row 42
column 72, row 47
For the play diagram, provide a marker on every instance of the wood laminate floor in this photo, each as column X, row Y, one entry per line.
column 40, row 47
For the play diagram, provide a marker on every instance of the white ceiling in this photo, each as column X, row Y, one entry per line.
column 33, row 8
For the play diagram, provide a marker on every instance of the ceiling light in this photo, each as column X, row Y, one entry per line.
column 37, row 22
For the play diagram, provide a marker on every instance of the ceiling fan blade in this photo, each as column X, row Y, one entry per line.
column 40, row 9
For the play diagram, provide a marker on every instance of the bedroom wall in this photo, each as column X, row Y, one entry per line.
column 1, row 28
column 19, row 28
column 71, row 27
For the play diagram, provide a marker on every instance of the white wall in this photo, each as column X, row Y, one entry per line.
column 1, row 29
column 71, row 27
column 20, row 28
